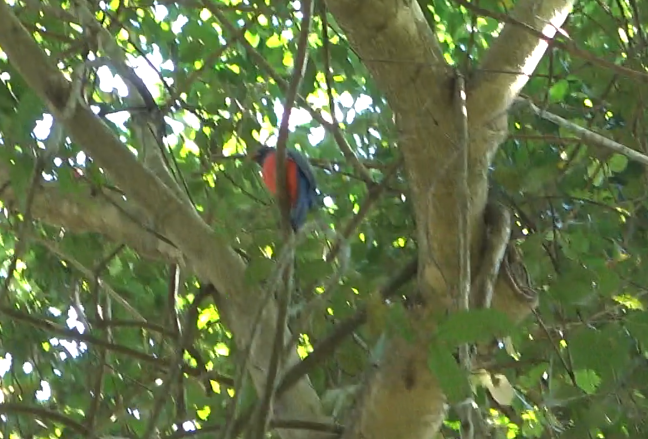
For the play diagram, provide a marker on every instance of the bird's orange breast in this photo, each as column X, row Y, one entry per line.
column 269, row 176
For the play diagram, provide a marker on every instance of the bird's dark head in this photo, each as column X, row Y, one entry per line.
column 260, row 154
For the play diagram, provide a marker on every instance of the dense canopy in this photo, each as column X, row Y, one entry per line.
column 151, row 286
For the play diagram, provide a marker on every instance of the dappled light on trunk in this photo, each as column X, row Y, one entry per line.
column 323, row 219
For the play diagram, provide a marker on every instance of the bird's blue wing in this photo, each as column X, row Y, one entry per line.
column 306, row 198
column 304, row 166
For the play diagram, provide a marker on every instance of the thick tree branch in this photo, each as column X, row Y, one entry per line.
column 515, row 50
column 567, row 45
column 394, row 41
column 92, row 213
column 398, row 47
column 208, row 253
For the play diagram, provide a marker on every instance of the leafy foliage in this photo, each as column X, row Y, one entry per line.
column 89, row 326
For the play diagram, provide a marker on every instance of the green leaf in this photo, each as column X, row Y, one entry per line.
column 559, row 90
column 452, row 379
column 473, row 326
column 587, row 380
column 487, row 24
column 259, row 270
column 29, row 109
column 637, row 324
column 574, row 285
column 313, row 270
column 399, row 322
column 618, row 163
column 604, row 352
column 609, row 282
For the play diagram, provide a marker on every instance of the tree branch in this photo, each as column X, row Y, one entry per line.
column 394, row 41
column 207, row 252
column 587, row 136
column 260, row 427
column 568, row 45
column 515, row 50
column 88, row 211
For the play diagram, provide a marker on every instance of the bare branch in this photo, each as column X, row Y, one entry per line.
column 588, row 137
column 462, row 287
column 299, row 69
column 463, row 198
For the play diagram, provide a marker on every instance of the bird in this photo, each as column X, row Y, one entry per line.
column 302, row 187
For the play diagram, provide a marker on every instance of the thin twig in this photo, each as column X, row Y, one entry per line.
column 260, row 426
column 343, row 329
column 299, row 69
column 588, row 137
column 284, row 85
column 463, row 196
column 102, row 358
column 175, row 366
column 209, row 62
column 372, row 196
column 344, row 146
column 568, row 45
